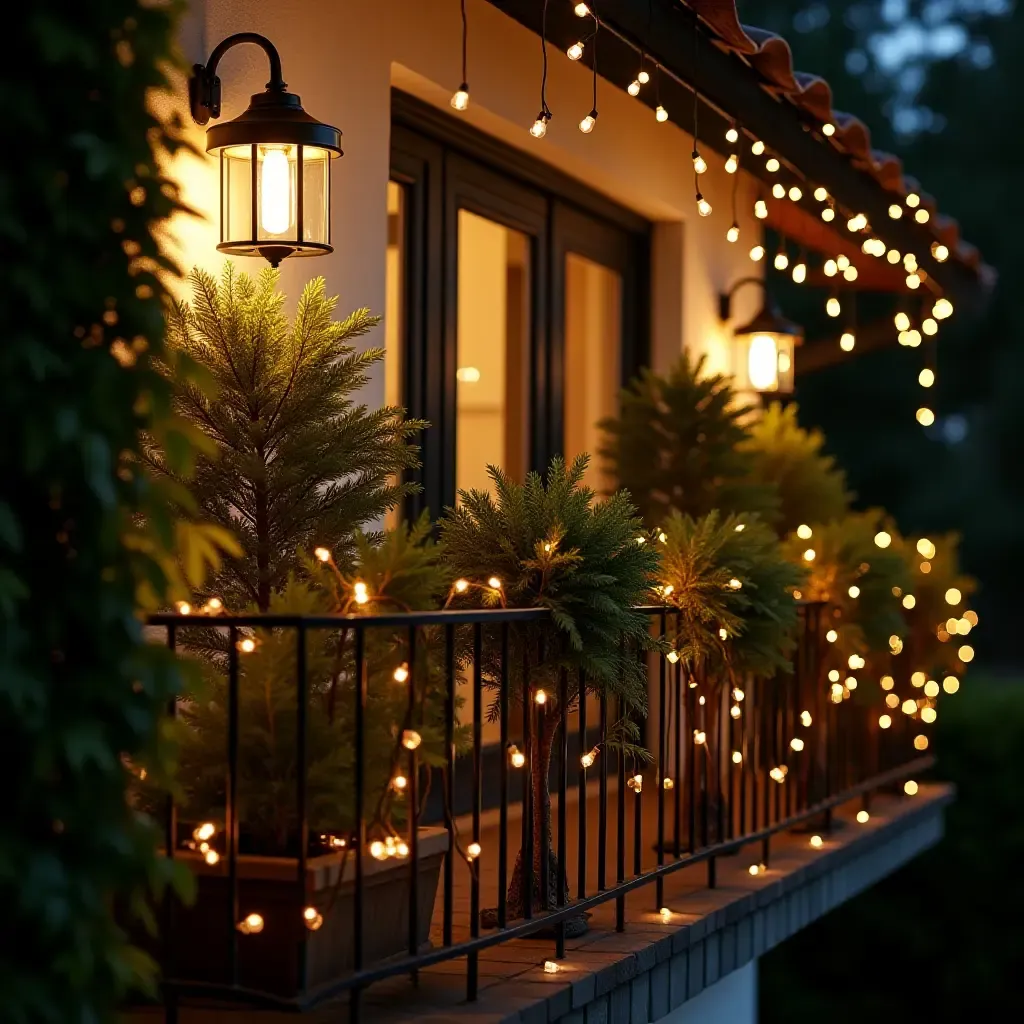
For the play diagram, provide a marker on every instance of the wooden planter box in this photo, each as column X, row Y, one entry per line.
column 270, row 960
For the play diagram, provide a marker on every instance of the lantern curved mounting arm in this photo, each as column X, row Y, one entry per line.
column 725, row 298
column 204, row 85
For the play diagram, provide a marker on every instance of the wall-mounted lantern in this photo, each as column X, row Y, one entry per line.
column 275, row 164
column 765, row 346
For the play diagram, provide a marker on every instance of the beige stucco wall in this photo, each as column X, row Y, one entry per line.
column 343, row 57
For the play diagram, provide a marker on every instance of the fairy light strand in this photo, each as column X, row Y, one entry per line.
column 540, row 125
column 460, row 100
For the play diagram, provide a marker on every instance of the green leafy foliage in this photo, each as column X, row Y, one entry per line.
column 550, row 545
column 86, row 540
column 812, row 488
column 861, row 583
column 296, row 462
column 402, row 571
column 677, row 445
column 733, row 586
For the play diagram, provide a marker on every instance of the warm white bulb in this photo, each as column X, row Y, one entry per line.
column 633, row 88
column 275, row 192
column 926, row 378
column 733, row 234
column 644, row 77
column 913, row 199
column 902, row 322
column 700, row 165
column 757, row 253
column 828, row 214
column 843, row 262
column 821, row 194
column 831, row 268
column 732, row 135
column 703, row 206
column 925, row 416
column 781, row 261
column 760, row 209
column 587, row 124
column 847, row 341
column 804, row 532
column 929, row 326
column 942, row 309
column 732, row 164
column 913, row 281
column 581, row 10
column 575, row 51
column 832, row 307
column 828, row 129
column 795, row 194
column 895, row 211
column 940, row 252
column 779, row 190
column 922, row 216
column 850, row 273
column 800, row 272
column 893, row 256
column 460, row 101
column 660, row 114
column 757, row 147
column 539, row 128
column 772, row 165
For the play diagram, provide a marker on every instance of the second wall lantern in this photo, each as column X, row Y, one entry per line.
column 765, row 347
column 275, row 164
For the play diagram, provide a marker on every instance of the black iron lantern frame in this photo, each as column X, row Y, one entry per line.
column 275, row 164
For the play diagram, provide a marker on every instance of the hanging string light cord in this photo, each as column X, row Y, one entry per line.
column 703, row 206
column 465, row 35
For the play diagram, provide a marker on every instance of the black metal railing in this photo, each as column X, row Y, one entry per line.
column 733, row 763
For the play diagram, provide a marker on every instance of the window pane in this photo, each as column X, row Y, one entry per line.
column 493, row 351
column 593, row 343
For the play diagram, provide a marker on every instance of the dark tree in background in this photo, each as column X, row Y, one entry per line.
column 936, row 82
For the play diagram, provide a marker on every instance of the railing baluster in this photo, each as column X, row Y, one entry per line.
column 659, row 893
column 503, row 780
column 620, row 837
column 301, row 768
column 472, row 965
column 691, row 761
column 581, row 857
column 602, row 804
column 563, row 784
column 677, row 691
column 170, row 929
column 449, row 781
column 231, row 805
column 414, row 802
column 529, row 811
column 355, row 1001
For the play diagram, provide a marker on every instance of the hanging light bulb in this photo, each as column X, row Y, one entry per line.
column 895, row 211
column 926, row 378
column 913, row 281
column 781, row 260
column 779, row 190
column 842, row 262
column 902, row 322
column 540, row 127
column 828, row 129
column 772, row 165
column 460, row 99
column 660, row 114
column 850, row 273
column 757, row 253
column 847, row 341
column 821, row 194
column 733, row 234
column 732, row 164
column 925, row 416
column 581, row 10
column 795, row 194
column 699, row 163
column 575, row 51
column 643, row 77
column 587, row 124
column 828, row 214
column 913, row 200
column 732, row 135
column 929, row 326
column 893, row 256
column 922, row 216
column 633, row 88
column 832, row 307
column 942, row 309
column 831, row 268
column 760, row 209
column 940, row 252
column 757, row 147
column 703, row 206
column 800, row 272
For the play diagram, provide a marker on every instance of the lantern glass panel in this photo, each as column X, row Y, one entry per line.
column 236, row 194
column 316, row 192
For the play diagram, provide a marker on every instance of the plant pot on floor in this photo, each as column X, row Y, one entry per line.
column 269, row 960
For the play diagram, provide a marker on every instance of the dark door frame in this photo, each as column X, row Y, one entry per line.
column 445, row 165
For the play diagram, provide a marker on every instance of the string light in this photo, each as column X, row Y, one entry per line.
column 323, row 554
column 781, row 260
column 929, row 326
column 733, row 234
column 737, row 757
column 643, row 77
column 661, row 116
column 796, row 743
column 516, row 756
column 550, row 967
column 313, row 918
column 575, row 52
column 887, row 682
column 360, row 592
column 184, row 608
column 699, row 737
column 247, row 646
column 895, row 211
column 779, row 190
column 460, row 100
column 805, row 719
column 910, row 787
column 828, row 129
column 831, row 268
column 540, row 697
column 809, row 555
column 732, row 164
column 893, row 256
column 912, row 199
column 635, row 783
column 931, row 688
column 831, row 636
column 857, row 223
column 940, row 252
column 817, row 842
column 587, row 124
column 732, row 135
column 892, row 701
column 411, row 739
column 925, row 416
column 757, row 253
column 757, row 869
column 828, row 214
column 863, row 817
column 779, row 773
column 589, row 757
column 757, row 147
column 883, row 539
column 399, row 782
column 922, row 216
column 772, row 165
column 667, row 783
column 909, row 707
column 821, row 194
column 735, row 711
column 951, row 684
column 211, row 857
column 633, row 88
column 251, row 924
column 832, row 307
column 703, row 206
column 942, row 309
column 473, row 851
column 909, row 601
column 966, row 653
column 666, row 914
column 884, row 722
column 795, row 193
column 800, row 272
column 581, row 10
column 760, row 209
column 850, row 273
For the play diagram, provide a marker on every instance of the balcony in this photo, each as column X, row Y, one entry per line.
column 761, row 804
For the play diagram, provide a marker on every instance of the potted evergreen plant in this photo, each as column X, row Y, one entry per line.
column 298, row 470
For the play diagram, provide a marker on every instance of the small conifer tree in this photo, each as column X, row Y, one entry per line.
column 812, row 488
column 298, row 464
column 677, row 445
column 549, row 544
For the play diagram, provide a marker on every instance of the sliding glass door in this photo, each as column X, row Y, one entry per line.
column 515, row 315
